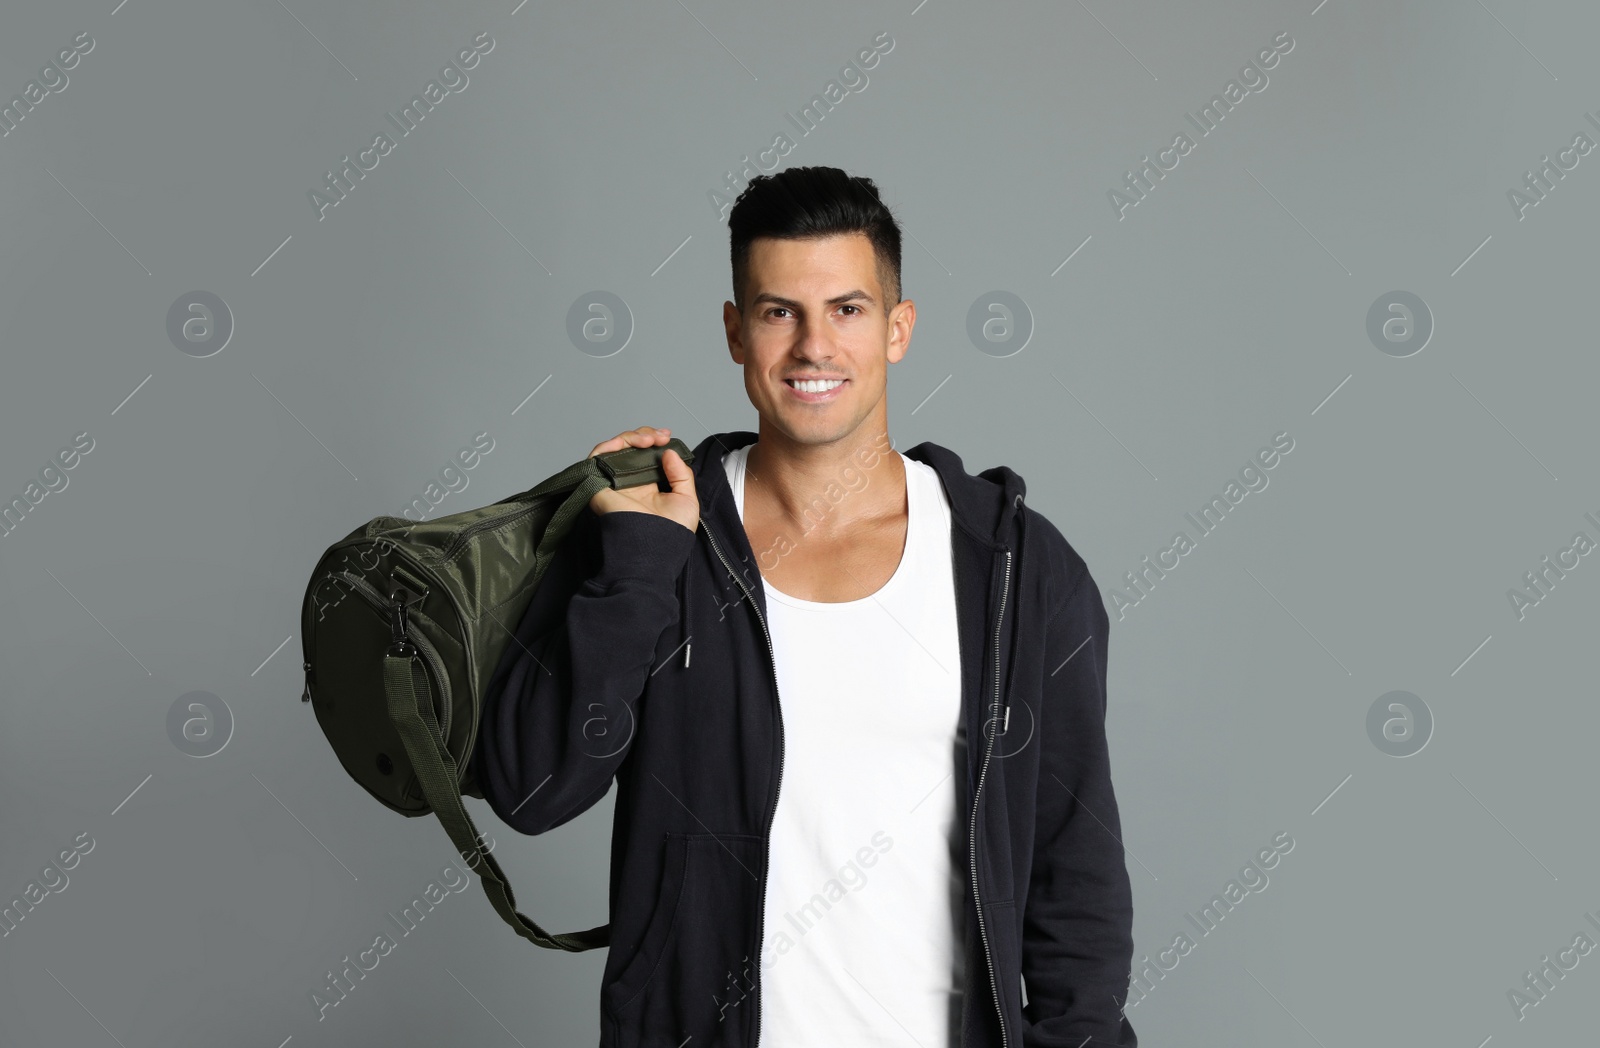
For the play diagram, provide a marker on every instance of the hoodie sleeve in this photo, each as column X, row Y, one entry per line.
column 558, row 713
column 1077, row 942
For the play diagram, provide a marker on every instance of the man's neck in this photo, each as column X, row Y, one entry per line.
column 857, row 479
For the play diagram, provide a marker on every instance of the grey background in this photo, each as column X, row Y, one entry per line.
column 1175, row 343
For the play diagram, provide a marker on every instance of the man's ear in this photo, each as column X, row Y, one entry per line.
column 731, row 321
column 902, row 318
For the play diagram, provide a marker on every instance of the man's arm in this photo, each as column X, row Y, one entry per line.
column 558, row 713
column 1077, row 932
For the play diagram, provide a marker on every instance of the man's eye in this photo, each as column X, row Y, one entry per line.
column 856, row 308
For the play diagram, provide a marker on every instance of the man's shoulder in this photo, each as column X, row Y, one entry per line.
column 983, row 495
column 1065, row 567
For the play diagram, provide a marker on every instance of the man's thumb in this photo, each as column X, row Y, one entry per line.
column 679, row 476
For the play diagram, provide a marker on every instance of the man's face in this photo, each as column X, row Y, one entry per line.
column 816, row 310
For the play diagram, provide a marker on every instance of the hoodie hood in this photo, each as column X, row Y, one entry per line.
column 986, row 505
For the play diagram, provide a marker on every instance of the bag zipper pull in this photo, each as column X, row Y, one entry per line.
column 401, row 600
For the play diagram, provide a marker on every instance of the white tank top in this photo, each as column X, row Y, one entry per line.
column 862, row 937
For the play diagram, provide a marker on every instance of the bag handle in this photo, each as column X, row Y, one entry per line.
column 626, row 468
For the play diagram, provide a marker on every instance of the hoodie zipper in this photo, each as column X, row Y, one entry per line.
column 977, row 793
column 761, row 926
column 972, row 835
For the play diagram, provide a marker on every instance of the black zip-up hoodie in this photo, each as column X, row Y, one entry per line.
column 645, row 658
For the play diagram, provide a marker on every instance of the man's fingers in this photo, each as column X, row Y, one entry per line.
column 643, row 437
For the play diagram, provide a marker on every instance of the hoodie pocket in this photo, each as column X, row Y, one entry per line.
column 638, row 968
column 693, row 969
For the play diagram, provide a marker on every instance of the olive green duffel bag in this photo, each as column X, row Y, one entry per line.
column 404, row 623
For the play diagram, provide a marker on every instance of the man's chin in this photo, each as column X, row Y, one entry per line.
column 813, row 431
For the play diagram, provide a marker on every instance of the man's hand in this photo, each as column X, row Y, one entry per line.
column 680, row 504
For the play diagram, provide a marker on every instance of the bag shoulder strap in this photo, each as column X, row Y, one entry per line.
column 411, row 710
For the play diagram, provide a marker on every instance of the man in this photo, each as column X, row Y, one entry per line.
column 853, row 700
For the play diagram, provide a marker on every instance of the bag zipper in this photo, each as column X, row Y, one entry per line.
column 484, row 525
column 761, row 927
column 972, row 834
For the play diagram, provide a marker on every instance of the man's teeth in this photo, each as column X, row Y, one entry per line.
column 815, row 387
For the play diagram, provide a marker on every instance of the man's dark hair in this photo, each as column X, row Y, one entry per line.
column 808, row 203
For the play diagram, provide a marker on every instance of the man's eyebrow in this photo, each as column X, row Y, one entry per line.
column 855, row 295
